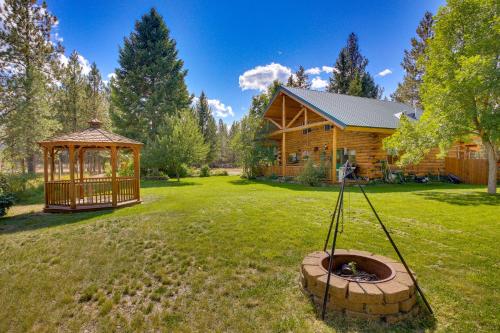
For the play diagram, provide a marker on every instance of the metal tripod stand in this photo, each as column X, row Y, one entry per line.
column 339, row 207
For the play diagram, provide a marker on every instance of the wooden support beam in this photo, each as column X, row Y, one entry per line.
column 114, row 184
column 274, row 122
column 52, row 163
column 334, row 154
column 298, row 128
column 46, row 175
column 305, row 116
column 81, row 169
column 283, row 142
column 72, row 194
column 295, row 118
column 137, row 173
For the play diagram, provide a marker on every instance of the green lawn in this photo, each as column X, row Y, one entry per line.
column 223, row 254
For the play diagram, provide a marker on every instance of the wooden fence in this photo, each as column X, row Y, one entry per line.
column 470, row 171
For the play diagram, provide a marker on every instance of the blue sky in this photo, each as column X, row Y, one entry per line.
column 232, row 48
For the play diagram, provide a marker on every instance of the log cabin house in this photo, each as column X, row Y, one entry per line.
column 311, row 124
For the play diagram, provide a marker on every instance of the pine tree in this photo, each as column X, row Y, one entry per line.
column 26, row 55
column 340, row 80
column 72, row 102
column 95, row 92
column 149, row 83
column 222, row 143
column 208, row 127
column 408, row 91
column 299, row 80
column 350, row 76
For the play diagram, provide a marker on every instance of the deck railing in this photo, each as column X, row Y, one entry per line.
column 91, row 191
column 290, row 170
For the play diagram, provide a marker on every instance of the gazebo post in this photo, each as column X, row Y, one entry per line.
column 72, row 176
column 46, row 174
column 52, row 163
column 80, row 160
column 114, row 185
column 137, row 168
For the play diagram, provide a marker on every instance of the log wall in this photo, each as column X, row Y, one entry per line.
column 368, row 147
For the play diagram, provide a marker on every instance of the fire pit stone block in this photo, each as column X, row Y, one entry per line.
column 391, row 298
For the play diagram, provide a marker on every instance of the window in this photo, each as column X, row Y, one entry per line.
column 328, row 127
column 307, row 130
column 345, row 154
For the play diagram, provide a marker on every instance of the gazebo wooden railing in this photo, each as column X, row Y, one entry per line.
column 81, row 193
column 91, row 191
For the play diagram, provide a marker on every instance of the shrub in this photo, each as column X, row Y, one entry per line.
column 220, row 173
column 6, row 196
column 310, row 175
column 205, row 171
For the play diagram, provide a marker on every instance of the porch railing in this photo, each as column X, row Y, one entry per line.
column 91, row 191
column 290, row 170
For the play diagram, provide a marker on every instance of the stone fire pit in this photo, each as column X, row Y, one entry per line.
column 390, row 296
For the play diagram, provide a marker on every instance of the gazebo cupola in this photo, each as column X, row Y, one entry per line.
column 85, row 191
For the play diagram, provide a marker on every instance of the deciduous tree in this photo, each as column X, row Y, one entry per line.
column 180, row 142
column 460, row 89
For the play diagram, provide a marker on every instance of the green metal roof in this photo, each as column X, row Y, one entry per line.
column 348, row 110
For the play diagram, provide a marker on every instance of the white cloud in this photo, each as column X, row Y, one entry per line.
column 58, row 38
column 328, row 69
column 84, row 64
column 219, row 109
column 313, row 71
column 318, row 83
column 63, row 59
column 385, row 72
column 260, row 77
column 109, row 76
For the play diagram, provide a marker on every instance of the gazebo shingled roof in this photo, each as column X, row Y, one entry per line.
column 93, row 134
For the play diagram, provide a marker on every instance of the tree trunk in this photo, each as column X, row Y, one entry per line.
column 31, row 164
column 492, row 167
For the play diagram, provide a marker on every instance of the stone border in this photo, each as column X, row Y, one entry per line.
column 391, row 300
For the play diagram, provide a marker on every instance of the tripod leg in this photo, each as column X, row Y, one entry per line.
column 330, row 261
column 396, row 249
column 332, row 221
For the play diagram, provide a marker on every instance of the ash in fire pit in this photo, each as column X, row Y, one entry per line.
column 351, row 271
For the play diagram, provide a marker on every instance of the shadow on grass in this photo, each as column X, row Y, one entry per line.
column 462, row 199
column 39, row 220
column 370, row 188
column 342, row 323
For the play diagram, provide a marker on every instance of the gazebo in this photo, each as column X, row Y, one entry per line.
column 79, row 193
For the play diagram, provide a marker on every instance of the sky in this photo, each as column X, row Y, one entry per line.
column 233, row 49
